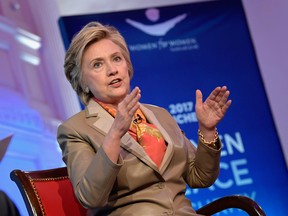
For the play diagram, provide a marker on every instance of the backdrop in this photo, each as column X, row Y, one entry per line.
column 178, row 49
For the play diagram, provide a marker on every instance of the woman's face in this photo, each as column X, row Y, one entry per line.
column 105, row 72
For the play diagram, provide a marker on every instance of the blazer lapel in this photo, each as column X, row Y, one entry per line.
column 99, row 119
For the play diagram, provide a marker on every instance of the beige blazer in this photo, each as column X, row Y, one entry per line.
column 135, row 185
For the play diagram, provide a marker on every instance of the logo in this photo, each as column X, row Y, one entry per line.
column 158, row 29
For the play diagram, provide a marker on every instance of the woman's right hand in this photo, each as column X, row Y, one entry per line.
column 125, row 113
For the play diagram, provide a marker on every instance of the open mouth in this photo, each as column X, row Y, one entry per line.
column 115, row 81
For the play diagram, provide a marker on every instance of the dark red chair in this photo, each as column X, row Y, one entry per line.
column 234, row 201
column 49, row 192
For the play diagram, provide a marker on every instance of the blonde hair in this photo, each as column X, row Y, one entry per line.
column 89, row 34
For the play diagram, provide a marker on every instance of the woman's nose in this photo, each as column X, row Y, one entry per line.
column 111, row 69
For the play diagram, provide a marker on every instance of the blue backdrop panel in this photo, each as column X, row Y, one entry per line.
column 178, row 49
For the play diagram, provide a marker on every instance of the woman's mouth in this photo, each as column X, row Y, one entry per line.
column 115, row 82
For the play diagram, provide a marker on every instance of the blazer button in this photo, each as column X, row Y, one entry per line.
column 161, row 185
column 170, row 212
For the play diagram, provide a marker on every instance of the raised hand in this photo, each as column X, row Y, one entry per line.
column 126, row 110
column 211, row 112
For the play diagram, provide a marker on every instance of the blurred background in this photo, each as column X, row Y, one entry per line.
column 35, row 95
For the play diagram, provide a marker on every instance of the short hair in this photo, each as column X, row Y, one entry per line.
column 89, row 34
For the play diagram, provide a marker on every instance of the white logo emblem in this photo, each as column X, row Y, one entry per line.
column 158, row 29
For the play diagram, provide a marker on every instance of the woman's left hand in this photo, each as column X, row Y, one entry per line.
column 210, row 113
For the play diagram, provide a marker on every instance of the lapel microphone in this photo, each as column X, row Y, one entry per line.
column 137, row 120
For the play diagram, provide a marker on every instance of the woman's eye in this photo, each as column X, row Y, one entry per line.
column 117, row 58
column 97, row 65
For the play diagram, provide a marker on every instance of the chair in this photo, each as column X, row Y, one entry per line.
column 49, row 192
column 234, row 201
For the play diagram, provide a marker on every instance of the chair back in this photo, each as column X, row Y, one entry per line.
column 47, row 192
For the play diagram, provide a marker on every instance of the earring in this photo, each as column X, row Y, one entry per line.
column 86, row 90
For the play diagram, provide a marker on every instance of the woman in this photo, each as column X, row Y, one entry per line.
column 124, row 157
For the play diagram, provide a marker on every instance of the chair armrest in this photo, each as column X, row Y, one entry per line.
column 235, row 201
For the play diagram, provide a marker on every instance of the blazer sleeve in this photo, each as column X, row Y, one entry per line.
column 91, row 172
column 203, row 165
